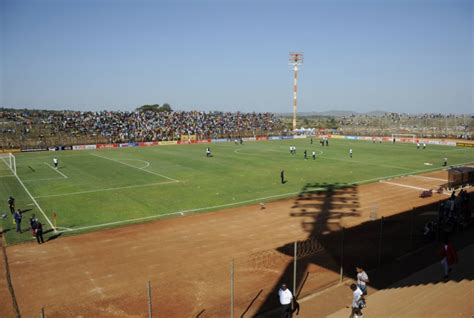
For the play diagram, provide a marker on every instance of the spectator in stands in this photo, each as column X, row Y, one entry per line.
column 449, row 257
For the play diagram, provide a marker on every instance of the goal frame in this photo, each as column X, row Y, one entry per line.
column 404, row 137
column 10, row 161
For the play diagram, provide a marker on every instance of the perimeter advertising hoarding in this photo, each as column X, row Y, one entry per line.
column 34, row 149
column 168, row 142
column 219, row 140
column 148, row 143
column 464, row 144
column 103, row 146
column 12, row 150
column 84, row 147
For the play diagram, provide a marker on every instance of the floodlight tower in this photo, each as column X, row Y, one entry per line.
column 296, row 58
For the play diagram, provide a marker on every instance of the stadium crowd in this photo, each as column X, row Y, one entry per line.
column 122, row 126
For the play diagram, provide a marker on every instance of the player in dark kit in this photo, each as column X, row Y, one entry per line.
column 305, row 155
column 282, row 176
column 39, row 232
column 11, row 204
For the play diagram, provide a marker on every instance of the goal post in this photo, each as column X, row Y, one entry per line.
column 404, row 137
column 10, row 161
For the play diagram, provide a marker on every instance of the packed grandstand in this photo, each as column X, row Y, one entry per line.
column 43, row 128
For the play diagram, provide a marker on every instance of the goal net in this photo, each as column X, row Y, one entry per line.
column 7, row 164
column 404, row 137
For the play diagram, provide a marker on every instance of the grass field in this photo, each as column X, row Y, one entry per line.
column 104, row 188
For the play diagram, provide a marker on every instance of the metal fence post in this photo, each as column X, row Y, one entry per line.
column 294, row 266
column 232, row 289
column 412, row 227
column 150, row 313
column 342, row 256
column 42, row 312
column 380, row 243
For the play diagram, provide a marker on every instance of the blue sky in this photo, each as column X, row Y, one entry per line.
column 402, row 56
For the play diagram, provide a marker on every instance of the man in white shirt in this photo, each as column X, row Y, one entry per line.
column 356, row 311
column 55, row 162
column 350, row 152
column 286, row 297
column 362, row 280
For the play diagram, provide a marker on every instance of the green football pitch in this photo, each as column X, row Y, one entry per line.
column 96, row 189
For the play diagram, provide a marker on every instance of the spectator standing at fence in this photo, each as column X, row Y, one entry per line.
column 357, row 302
column 286, row 298
column 362, row 280
column 39, row 232
column 449, row 257
column 17, row 216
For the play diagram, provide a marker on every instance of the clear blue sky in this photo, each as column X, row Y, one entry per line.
column 403, row 56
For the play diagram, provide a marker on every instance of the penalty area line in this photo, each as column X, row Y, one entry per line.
column 64, row 176
column 106, row 189
column 36, row 203
column 132, row 166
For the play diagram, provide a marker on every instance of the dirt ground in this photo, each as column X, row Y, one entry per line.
column 188, row 259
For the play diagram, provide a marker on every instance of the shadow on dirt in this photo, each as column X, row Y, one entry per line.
column 389, row 249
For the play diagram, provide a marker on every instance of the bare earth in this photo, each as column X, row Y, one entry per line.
column 187, row 259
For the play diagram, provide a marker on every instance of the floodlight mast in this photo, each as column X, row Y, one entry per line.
column 296, row 59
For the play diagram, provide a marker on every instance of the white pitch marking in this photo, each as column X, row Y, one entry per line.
column 106, row 189
column 431, row 178
column 10, row 175
column 238, row 203
column 36, row 203
column 57, row 170
column 43, row 179
column 409, row 186
column 147, row 164
column 142, row 169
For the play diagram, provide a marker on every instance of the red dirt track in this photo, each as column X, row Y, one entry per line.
column 187, row 259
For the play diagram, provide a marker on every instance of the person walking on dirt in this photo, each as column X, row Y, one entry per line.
column 286, row 298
